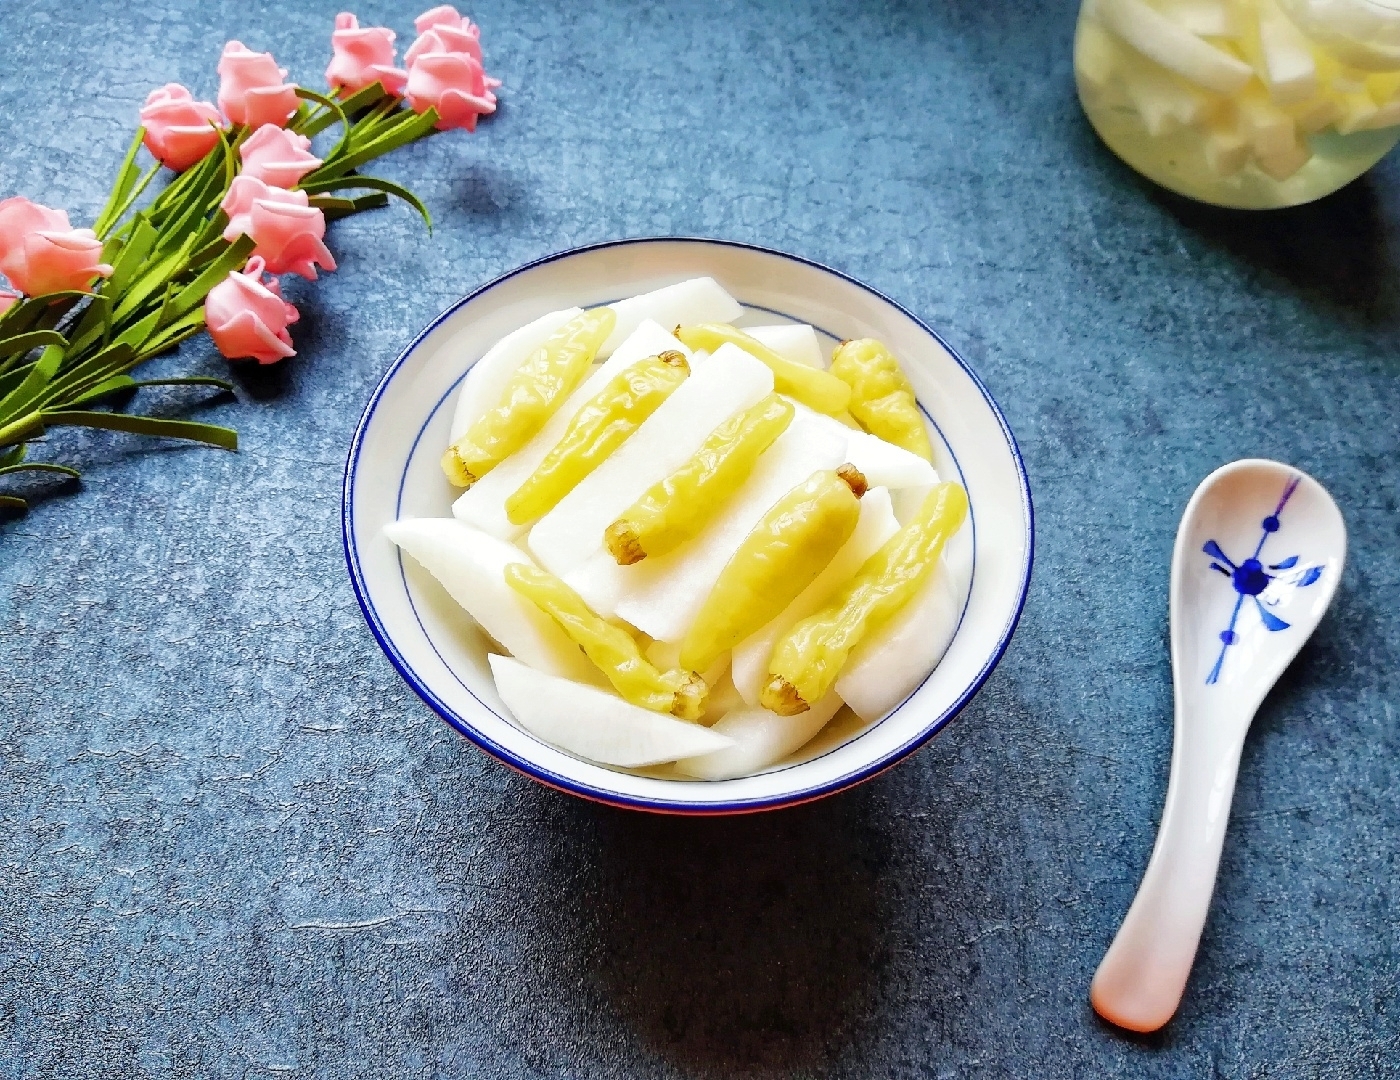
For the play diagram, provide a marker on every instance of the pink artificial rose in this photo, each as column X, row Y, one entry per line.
column 363, row 56
column 443, row 30
column 178, row 131
column 448, row 32
column 453, row 84
column 247, row 317
column 7, row 300
column 40, row 252
column 286, row 231
column 251, row 90
column 276, row 156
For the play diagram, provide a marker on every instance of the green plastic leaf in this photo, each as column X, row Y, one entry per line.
column 210, row 434
column 146, row 179
column 356, row 102
column 22, row 343
column 126, row 179
column 29, row 391
column 40, row 466
column 115, row 359
column 341, row 183
column 347, row 207
column 94, row 325
column 133, row 255
column 193, row 294
column 27, row 314
column 106, row 388
column 151, row 280
column 22, row 429
column 414, row 126
column 178, row 331
column 14, row 455
column 334, row 109
column 12, row 502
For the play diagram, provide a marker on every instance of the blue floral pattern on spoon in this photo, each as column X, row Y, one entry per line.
column 1252, row 580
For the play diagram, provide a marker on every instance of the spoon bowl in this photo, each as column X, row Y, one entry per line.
column 1258, row 556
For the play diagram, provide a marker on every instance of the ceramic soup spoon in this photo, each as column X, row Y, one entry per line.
column 1258, row 556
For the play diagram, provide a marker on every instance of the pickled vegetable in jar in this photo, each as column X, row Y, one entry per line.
column 1244, row 103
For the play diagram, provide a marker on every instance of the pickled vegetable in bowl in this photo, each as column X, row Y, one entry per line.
column 1245, row 103
column 570, row 601
column 691, row 544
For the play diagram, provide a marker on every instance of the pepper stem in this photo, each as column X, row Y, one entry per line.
column 854, row 478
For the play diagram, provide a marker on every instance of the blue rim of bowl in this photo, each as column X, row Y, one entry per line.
column 583, row 790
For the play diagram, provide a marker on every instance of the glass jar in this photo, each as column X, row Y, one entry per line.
column 1247, row 103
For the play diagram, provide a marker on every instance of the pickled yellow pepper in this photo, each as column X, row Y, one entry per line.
column 808, row 658
column 612, row 649
column 677, row 508
column 600, row 426
column 535, row 391
column 777, row 560
column 881, row 398
column 813, row 387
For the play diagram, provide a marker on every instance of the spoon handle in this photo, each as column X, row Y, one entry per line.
column 1142, row 976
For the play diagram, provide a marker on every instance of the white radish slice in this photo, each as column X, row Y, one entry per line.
column 876, row 525
column 1097, row 56
column 1165, row 102
column 882, row 463
column 1173, row 46
column 1318, row 114
column 695, row 301
column 908, row 501
column 722, row 700
column 1388, row 115
column 1358, row 111
column 1286, row 60
column 886, row 465
column 1270, row 130
column 471, row 565
column 886, row 667
column 795, row 341
column 761, row 739
column 662, row 596
column 667, row 655
column 727, row 382
column 1227, row 152
column 1205, row 18
column 486, row 381
column 1283, row 163
column 595, row 724
column 483, row 505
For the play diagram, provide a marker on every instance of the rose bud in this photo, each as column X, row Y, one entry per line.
column 251, row 90
column 40, row 252
column 179, row 130
column 247, row 317
column 286, row 231
column 363, row 56
column 276, row 156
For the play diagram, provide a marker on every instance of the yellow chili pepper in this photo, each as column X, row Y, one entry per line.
column 881, row 397
column 535, row 391
column 781, row 556
column 602, row 425
column 812, row 386
column 675, row 509
column 808, row 658
column 611, row 648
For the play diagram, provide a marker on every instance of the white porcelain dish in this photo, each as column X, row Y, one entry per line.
column 393, row 471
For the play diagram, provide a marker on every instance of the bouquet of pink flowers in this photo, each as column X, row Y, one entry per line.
column 250, row 201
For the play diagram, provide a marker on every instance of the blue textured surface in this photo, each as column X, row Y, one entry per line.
column 232, row 842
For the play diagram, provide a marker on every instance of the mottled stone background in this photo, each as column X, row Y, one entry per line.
column 234, row 844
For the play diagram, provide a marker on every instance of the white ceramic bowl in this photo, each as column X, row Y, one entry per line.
column 393, row 471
